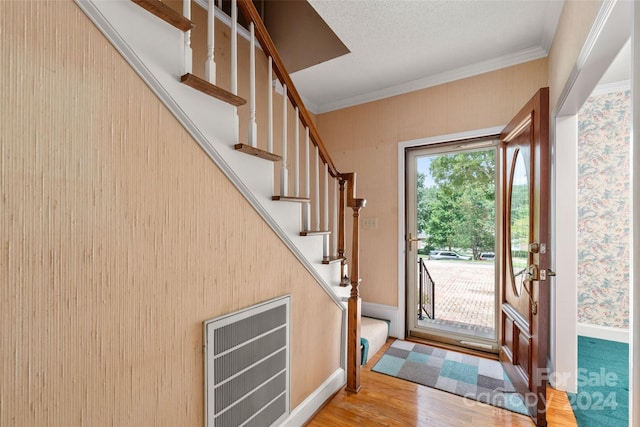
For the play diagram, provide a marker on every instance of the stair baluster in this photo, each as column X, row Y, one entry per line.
column 210, row 63
column 187, row 64
column 316, row 195
column 234, row 47
column 270, row 106
column 344, row 278
column 306, row 208
column 284, row 174
column 334, row 231
column 296, row 156
column 325, row 216
column 253, row 126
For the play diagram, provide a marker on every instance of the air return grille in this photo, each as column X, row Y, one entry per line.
column 247, row 366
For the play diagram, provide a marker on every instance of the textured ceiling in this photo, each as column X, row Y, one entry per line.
column 399, row 46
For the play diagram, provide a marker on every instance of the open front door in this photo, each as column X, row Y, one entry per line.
column 524, row 260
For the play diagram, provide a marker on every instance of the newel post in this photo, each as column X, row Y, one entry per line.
column 354, row 307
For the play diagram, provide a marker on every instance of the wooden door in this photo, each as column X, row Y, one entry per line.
column 524, row 262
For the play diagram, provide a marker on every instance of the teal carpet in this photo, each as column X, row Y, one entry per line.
column 603, row 384
column 472, row 377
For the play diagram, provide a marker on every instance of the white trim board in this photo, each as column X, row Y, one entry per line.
column 305, row 410
column 603, row 332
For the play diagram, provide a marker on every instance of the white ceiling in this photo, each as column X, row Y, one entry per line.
column 398, row 46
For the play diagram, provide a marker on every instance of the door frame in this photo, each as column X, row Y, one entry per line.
column 402, row 271
column 608, row 34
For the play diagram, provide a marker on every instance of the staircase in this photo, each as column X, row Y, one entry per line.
column 304, row 199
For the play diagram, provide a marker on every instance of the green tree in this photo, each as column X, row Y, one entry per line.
column 459, row 211
column 440, row 225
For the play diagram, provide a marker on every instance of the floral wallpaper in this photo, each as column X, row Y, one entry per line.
column 604, row 124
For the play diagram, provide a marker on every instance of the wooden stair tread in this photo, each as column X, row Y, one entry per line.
column 164, row 12
column 247, row 149
column 332, row 260
column 314, row 232
column 212, row 90
column 291, row 199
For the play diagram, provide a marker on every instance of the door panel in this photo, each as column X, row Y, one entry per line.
column 525, row 297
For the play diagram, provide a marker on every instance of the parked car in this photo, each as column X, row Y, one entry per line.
column 447, row 255
column 487, row 256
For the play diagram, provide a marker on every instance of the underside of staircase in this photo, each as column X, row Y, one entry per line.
column 209, row 114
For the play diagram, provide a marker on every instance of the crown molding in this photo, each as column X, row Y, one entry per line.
column 516, row 58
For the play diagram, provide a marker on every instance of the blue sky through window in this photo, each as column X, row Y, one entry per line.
column 424, row 163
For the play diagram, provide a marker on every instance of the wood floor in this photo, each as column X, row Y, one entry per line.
column 389, row 401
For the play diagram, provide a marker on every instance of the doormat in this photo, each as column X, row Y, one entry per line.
column 472, row 377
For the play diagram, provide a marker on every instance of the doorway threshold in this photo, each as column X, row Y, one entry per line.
column 474, row 331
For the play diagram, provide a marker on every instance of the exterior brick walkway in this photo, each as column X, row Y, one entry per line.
column 464, row 295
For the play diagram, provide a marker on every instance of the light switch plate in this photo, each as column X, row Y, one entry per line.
column 370, row 223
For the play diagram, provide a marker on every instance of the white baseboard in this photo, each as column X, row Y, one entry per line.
column 603, row 332
column 385, row 312
column 304, row 411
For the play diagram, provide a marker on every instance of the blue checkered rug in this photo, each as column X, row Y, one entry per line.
column 472, row 377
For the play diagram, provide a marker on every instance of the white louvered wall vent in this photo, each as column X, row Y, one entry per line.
column 247, row 366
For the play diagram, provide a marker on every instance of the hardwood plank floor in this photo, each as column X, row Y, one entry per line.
column 389, row 401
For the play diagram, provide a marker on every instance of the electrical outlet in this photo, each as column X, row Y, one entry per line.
column 370, row 223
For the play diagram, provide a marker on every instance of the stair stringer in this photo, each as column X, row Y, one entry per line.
column 156, row 54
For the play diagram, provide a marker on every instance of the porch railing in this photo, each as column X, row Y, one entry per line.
column 426, row 292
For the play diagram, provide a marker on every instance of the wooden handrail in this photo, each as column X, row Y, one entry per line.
column 269, row 48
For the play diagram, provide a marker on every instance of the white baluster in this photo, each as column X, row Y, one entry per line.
column 335, row 217
column 187, row 66
column 325, row 219
column 253, row 126
column 234, row 47
column 270, row 108
column 325, row 216
column 284, row 175
column 220, row 4
column 306, row 208
column 210, row 64
column 296, row 157
column 316, row 199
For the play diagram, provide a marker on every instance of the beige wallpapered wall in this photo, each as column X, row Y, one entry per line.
column 365, row 139
column 118, row 238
